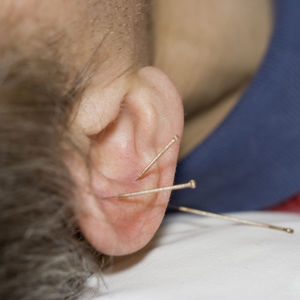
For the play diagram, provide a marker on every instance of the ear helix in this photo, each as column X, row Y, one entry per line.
column 191, row 184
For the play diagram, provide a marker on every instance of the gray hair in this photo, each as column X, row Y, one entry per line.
column 42, row 252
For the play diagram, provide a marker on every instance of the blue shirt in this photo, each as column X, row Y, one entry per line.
column 252, row 160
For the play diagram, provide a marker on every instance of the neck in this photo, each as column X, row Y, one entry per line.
column 211, row 50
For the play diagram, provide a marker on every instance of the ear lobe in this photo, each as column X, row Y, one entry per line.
column 150, row 114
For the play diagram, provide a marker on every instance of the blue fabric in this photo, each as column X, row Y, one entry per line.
column 252, row 160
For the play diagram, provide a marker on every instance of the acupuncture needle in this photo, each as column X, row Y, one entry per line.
column 192, row 184
column 228, row 218
column 153, row 161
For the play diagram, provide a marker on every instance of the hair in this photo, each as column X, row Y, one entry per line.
column 42, row 252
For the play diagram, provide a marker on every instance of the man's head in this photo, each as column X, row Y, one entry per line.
column 81, row 115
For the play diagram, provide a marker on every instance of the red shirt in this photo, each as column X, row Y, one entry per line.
column 291, row 205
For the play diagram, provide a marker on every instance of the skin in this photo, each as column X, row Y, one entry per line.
column 128, row 111
column 217, row 50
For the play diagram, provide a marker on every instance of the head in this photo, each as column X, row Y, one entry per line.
column 82, row 113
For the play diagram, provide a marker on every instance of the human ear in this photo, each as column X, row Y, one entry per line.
column 122, row 127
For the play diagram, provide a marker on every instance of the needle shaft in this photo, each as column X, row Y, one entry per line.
column 233, row 219
column 191, row 184
column 164, row 150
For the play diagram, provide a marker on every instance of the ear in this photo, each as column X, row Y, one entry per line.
column 122, row 127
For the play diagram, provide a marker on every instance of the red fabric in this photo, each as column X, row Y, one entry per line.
column 291, row 205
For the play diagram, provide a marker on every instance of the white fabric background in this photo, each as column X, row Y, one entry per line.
column 194, row 257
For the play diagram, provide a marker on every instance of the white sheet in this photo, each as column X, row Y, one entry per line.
column 193, row 257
